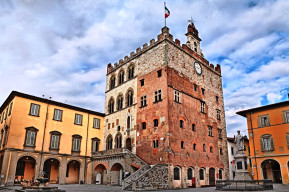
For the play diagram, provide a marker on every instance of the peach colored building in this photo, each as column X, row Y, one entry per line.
column 39, row 134
column 268, row 129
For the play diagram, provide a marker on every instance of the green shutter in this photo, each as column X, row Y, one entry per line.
column 262, row 145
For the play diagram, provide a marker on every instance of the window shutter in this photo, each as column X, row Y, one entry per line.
column 268, row 120
column 284, row 117
column 262, row 145
column 56, row 141
column 259, row 122
column 287, row 139
column 272, row 144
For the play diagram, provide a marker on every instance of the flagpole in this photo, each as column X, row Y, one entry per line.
column 165, row 14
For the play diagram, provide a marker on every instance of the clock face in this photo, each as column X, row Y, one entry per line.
column 198, row 68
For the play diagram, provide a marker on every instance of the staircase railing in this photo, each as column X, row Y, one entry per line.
column 127, row 182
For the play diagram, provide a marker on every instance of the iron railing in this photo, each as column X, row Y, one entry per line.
column 244, row 185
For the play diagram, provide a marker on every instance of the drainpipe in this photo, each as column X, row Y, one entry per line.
column 41, row 152
column 85, row 158
column 254, row 145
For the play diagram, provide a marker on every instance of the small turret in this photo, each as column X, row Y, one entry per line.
column 193, row 40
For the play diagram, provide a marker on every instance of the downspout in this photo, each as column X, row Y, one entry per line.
column 85, row 157
column 41, row 152
column 254, row 145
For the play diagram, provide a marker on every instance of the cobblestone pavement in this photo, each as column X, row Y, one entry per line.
column 94, row 188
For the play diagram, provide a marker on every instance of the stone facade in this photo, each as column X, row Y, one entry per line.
column 182, row 122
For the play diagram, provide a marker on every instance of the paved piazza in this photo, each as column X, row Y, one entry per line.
column 93, row 188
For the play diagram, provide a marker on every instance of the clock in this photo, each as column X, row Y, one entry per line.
column 198, row 68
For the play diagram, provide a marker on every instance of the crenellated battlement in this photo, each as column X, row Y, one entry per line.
column 165, row 35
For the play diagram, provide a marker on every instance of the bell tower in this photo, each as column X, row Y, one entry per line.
column 193, row 40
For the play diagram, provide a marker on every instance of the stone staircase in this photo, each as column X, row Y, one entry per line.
column 148, row 178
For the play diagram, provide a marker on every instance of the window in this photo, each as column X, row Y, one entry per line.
column 143, row 125
column 201, row 174
column 118, row 142
column 195, row 87
column 263, row 121
column 76, row 141
column 128, row 122
column 211, row 149
column 177, row 96
column 203, row 91
column 181, row 124
column 143, row 101
column 111, row 106
column 182, row 144
column 156, row 122
column 34, row 109
column 203, row 107
column 217, row 99
column 220, row 174
column 30, row 138
column 159, row 73
column 119, row 102
column 221, row 151
column 210, row 128
column 6, row 114
column 130, row 72
column 204, row 147
column 129, row 98
column 176, row 173
column 158, row 95
column 232, row 150
column 10, row 108
column 95, row 144
column 112, row 82
column 2, row 134
column 78, row 119
column 96, row 123
column 195, row 47
column 57, row 115
column 142, row 82
column 190, row 173
column 287, row 117
column 220, row 133
column 267, row 143
column 156, row 143
column 193, row 127
column 195, row 147
column 218, row 114
column 121, row 77
column 109, row 142
column 287, row 140
column 54, row 139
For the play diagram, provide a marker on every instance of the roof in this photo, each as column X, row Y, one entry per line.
column 262, row 108
column 44, row 100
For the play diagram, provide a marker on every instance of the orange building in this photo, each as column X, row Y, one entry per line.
column 39, row 134
column 268, row 128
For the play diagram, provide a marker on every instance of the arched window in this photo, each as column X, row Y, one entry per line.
column 119, row 102
column 267, row 143
column 176, row 173
column 109, row 142
column 195, row 46
column 143, row 125
column 195, row 146
column 112, row 82
column 156, row 143
column 221, row 151
column 129, row 98
column 201, row 174
column 204, row 147
column 121, row 77
column 190, row 173
column 156, row 122
column 220, row 174
column 181, row 124
column 118, row 141
column 130, row 72
column 111, row 106
column 211, row 149
column 95, row 144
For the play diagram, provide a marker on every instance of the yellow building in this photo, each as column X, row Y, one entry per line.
column 268, row 128
column 39, row 134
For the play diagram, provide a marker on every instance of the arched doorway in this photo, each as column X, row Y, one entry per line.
column 51, row 169
column 128, row 144
column 271, row 170
column 101, row 174
column 116, row 174
column 72, row 172
column 25, row 169
column 211, row 176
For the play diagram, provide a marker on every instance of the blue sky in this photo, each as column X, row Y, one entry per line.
column 60, row 49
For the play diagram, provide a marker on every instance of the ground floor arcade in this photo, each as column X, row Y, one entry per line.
column 18, row 166
column 275, row 168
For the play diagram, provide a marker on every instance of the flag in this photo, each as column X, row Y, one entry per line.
column 167, row 12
